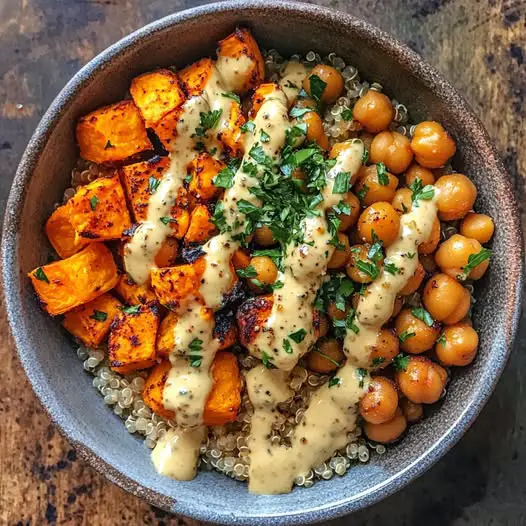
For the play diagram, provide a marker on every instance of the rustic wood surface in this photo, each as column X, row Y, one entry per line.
column 479, row 45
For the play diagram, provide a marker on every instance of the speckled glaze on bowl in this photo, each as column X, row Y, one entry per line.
column 57, row 376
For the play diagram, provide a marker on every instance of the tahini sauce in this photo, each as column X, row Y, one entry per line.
column 292, row 79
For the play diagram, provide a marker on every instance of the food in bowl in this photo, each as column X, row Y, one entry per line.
column 261, row 262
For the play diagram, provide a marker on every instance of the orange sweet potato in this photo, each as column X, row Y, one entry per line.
column 231, row 135
column 201, row 228
column 203, row 169
column 251, row 317
column 195, row 76
column 152, row 393
column 90, row 323
column 156, row 94
column 166, row 128
column 240, row 57
column 133, row 333
column 240, row 259
column 137, row 182
column 71, row 282
column 260, row 95
column 225, row 331
column 112, row 133
column 224, row 399
column 99, row 211
column 133, row 294
column 61, row 233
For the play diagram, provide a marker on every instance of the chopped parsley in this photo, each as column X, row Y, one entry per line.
column 41, row 275
column 225, row 178
column 411, row 255
column 423, row 315
column 99, row 315
column 473, row 261
column 341, row 183
column 231, row 95
column 346, row 114
column 406, row 335
column 327, row 357
column 362, row 374
column 337, row 290
column 400, row 362
column 379, row 360
column 287, row 347
column 376, row 252
column 264, row 136
column 334, row 381
column 218, row 219
column 342, row 326
column 317, row 87
column 365, row 155
column 298, row 336
column 391, row 268
column 196, row 346
column 132, row 309
column 368, row 268
column 442, row 340
column 275, row 254
column 296, row 112
column 249, row 126
column 153, row 184
column 93, row 202
column 342, row 208
column 188, row 179
column 167, row 220
column 207, row 121
column 420, row 191
column 258, row 154
column 108, row 145
column 266, row 360
column 362, row 193
column 381, row 173
column 247, row 272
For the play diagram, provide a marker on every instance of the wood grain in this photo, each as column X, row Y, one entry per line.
column 479, row 45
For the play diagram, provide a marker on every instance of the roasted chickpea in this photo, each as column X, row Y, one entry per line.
column 360, row 253
column 456, row 196
column 384, row 350
column 263, row 236
column 428, row 262
column 417, row 336
column 393, row 149
column 372, row 189
column 341, row 255
column 320, row 324
column 315, row 131
column 415, row 171
column 167, row 254
column 348, row 220
column 306, row 102
column 367, row 139
column 333, row 82
column 374, row 111
column 414, row 281
column 452, row 256
column 412, row 412
column 335, row 313
column 266, row 272
column 240, row 259
column 432, row 145
column 382, row 219
column 403, row 201
column 380, row 402
column 446, row 299
column 429, row 246
column 423, row 381
column 326, row 357
column 397, row 307
column 458, row 345
column 477, row 226
column 387, row 432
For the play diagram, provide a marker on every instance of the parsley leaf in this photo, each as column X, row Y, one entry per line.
column 473, row 261
column 362, row 193
column 341, row 183
column 264, row 136
column 317, row 87
column 218, row 219
column 298, row 336
column 406, row 335
column 132, row 309
column 379, row 360
column 231, row 95
column 153, row 184
column 249, row 126
column 287, row 347
column 442, row 340
column 167, row 220
column 365, row 155
column 207, row 121
column 400, row 362
column 247, row 272
column 99, row 315
column 376, row 252
column 423, row 315
column 362, row 374
column 346, row 114
column 411, row 255
column 225, row 178
column 334, row 381
column 258, row 154
column 108, row 145
column 391, row 268
column 266, row 360
column 381, row 173
column 420, row 191
column 93, row 202
column 327, row 357
column 296, row 112
column 41, row 275
column 368, row 268
column 196, row 345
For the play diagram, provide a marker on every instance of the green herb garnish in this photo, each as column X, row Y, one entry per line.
column 231, row 95
column 317, row 87
column 420, row 191
column 381, row 173
column 346, row 115
column 247, row 272
column 298, row 336
column 249, row 126
column 405, row 335
column 41, row 275
column 368, row 268
column 362, row 374
column 400, row 362
column 287, row 347
column 93, row 202
column 473, row 261
column 99, row 315
column 423, row 315
column 153, row 184
column 341, row 183
column 334, row 381
column 132, row 309
column 225, row 178
column 207, row 121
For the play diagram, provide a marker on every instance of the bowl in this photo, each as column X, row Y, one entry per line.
column 57, row 376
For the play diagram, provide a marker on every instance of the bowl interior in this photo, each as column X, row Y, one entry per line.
column 50, row 360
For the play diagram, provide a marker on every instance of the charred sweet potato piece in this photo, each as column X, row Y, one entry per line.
column 240, row 259
column 133, row 333
column 167, row 255
column 112, row 133
column 140, row 180
column 172, row 285
column 224, row 399
column 90, row 323
column 240, row 61
column 156, row 94
column 251, row 317
column 225, row 330
column 99, row 211
column 260, row 96
column 133, row 294
column 195, row 76
column 166, row 128
column 230, row 135
column 68, row 283
column 152, row 393
column 203, row 169
column 201, row 228
column 165, row 336
column 61, row 233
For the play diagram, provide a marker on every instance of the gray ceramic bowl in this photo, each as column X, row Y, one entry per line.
column 57, row 375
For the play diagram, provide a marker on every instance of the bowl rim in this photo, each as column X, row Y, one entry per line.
column 11, row 274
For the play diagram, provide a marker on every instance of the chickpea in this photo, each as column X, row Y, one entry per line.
column 456, row 196
column 240, row 259
column 320, row 324
column 382, row 219
column 306, row 102
column 360, row 253
column 412, row 412
column 332, row 78
column 460, row 345
column 340, row 255
column 315, row 131
column 452, row 256
column 418, row 337
column 428, row 262
column 326, row 357
column 423, row 381
column 384, row 350
column 380, row 402
column 263, row 236
column 414, row 281
column 393, row 149
column 369, row 185
column 403, row 200
column 415, row 171
column 387, row 432
column 397, row 307
column 167, row 254
column 429, row 246
column 367, row 139
column 477, row 226
column 348, row 220
column 445, row 298
column 266, row 272
column 432, row 145
column 374, row 111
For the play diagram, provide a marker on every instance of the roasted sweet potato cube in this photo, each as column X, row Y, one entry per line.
column 224, row 399
column 173, row 285
column 152, row 393
column 196, row 76
column 133, row 333
column 240, row 62
column 61, row 233
column 251, row 317
column 225, row 330
column 166, row 128
column 201, row 228
column 203, row 169
column 68, row 283
column 112, row 133
column 262, row 93
column 240, row 259
column 99, row 211
column 133, row 294
column 156, row 94
column 165, row 336
column 231, row 135
column 90, row 323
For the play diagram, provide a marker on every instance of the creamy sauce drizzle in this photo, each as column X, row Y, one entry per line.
column 292, row 80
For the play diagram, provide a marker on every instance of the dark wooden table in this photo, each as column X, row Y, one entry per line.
column 480, row 46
